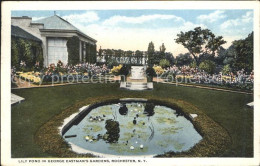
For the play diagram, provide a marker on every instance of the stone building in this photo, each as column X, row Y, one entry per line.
column 54, row 32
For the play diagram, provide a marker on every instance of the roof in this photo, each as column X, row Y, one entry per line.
column 19, row 32
column 57, row 23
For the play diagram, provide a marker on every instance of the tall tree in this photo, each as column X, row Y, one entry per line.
column 151, row 53
column 160, row 55
column 183, row 59
column 169, row 57
column 244, row 53
column 200, row 41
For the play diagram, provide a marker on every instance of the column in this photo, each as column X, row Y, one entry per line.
column 80, row 51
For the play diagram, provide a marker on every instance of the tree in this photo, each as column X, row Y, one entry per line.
column 164, row 63
column 222, row 52
column 183, row 59
column 108, row 55
column 139, row 56
column 161, row 54
column 170, row 58
column 208, row 66
column 151, row 53
column 244, row 53
column 200, row 41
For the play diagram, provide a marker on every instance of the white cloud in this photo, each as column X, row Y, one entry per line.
column 140, row 19
column 238, row 25
column 86, row 17
column 37, row 18
column 137, row 38
column 212, row 17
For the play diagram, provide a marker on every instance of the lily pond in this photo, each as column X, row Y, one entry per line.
column 133, row 129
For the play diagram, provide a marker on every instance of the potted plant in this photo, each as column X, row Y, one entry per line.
column 123, row 72
column 150, row 73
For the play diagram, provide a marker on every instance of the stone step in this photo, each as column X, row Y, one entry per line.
column 136, row 85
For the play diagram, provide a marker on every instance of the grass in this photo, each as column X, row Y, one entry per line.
column 42, row 104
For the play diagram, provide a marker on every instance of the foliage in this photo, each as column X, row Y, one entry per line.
column 159, row 55
column 124, row 70
column 43, row 131
column 226, row 69
column 158, row 70
column 30, row 76
column 215, row 138
column 27, row 51
column 111, row 63
column 170, row 58
column 113, row 130
column 164, row 63
column 116, row 69
column 244, row 53
column 150, row 73
column 208, row 66
column 193, row 64
column 139, row 56
column 73, row 50
column 200, row 41
column 151, row 54
column 183, row 59
column 14, row 54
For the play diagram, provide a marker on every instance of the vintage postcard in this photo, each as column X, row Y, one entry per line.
column 130, row 83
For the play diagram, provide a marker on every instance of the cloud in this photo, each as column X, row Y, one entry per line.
column 137, row 38
column 87, row 17
column 37, row 18
column 239, row 25
column 212, row 17
column 140, row 19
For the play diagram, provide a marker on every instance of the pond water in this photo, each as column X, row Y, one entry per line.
column 133, row 129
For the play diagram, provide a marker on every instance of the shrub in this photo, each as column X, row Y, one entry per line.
column 150, row 73
column 226, row 69
column 164, row 63
column 116, row 69
column 208, row 66
column 193, row 64
column 124, row 70
column 158, row 70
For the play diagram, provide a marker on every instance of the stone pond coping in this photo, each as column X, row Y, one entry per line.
column 68, row 122
column 215, row 140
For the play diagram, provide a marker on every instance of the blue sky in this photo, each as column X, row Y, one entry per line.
column 134, row 29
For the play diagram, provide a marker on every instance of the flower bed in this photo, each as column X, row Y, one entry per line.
column 32, row 77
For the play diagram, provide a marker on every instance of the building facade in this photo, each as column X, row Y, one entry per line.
column 54, row 32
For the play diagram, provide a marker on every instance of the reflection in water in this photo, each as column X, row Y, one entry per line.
column 134, row 129
column 149, row 109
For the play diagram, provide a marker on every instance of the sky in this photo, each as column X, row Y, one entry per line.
column 134, row 29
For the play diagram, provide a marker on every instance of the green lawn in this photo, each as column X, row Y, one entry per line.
column 41, row 104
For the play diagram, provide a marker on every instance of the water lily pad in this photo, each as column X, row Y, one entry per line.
column 92, row 128
column 166, row 120
column 169, row 130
